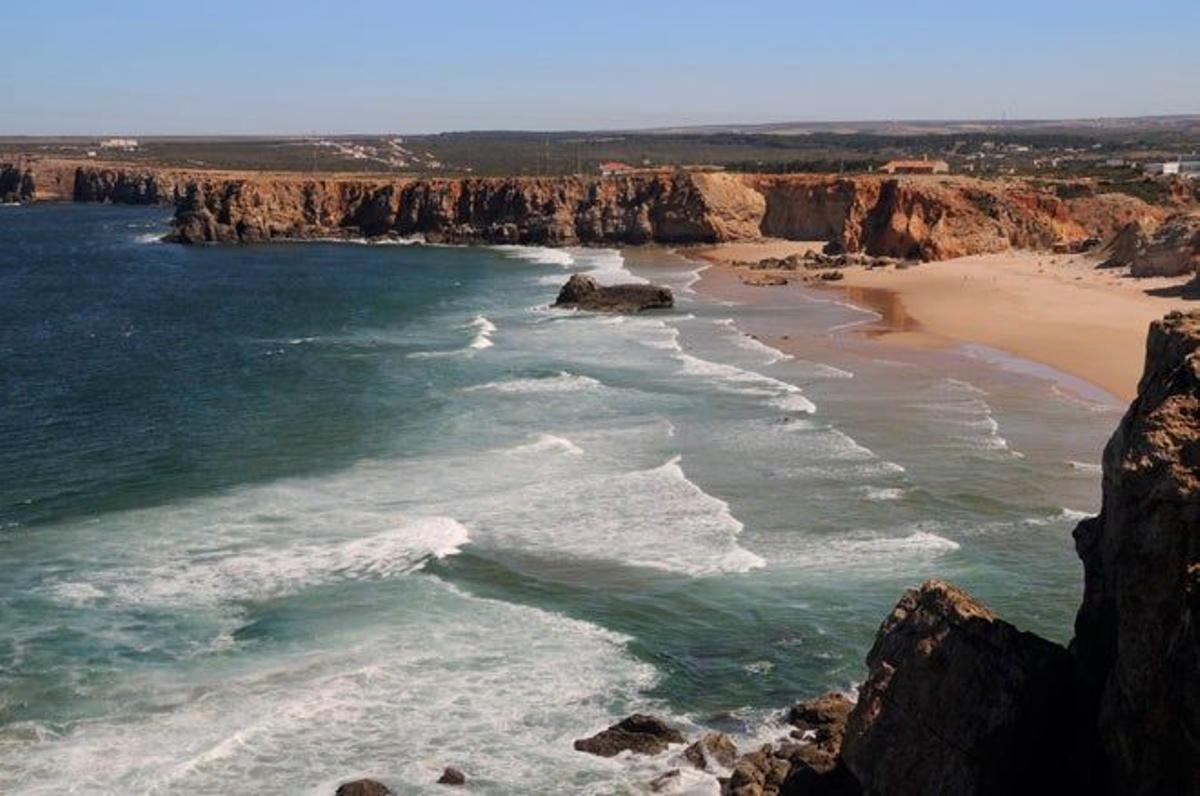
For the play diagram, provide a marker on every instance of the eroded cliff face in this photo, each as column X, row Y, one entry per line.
column 1137, row 635
column 898, row 217
column 907, row 217
column 663, row 208
column 122, row 186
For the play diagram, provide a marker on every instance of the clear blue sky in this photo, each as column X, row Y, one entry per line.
column 269, row 66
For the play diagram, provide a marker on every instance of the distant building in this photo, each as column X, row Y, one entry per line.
column 1183, row 168
column 613, row 168
column 119, row 143
column 924, row 166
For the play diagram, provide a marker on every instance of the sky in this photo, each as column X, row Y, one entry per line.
column 370, row 66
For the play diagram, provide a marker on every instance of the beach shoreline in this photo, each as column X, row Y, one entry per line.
column 1057, row 311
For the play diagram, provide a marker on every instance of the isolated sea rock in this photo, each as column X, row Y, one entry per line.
column 583, row 292
column 452, row 776
column 639, row 733
column 363, row 787
column 1137, row 634
column 959, row 701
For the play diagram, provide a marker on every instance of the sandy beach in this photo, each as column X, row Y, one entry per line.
column 1056, row 310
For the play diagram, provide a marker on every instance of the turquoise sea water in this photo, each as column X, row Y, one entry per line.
column 295, row 514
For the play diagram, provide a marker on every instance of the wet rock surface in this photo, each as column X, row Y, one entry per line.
column 639, row 733
column 583, row 292
column 363, row 787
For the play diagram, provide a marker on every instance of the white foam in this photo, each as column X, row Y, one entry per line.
column 878, row 493
column 455, row 673
column 150, row 237
column 266, row 572
column 655, row 518
column 562, row 382
column 542, row 255
column 778, row 393
column 484, row 329
column 548, row 443
column 1087, row 468
column 862, row 551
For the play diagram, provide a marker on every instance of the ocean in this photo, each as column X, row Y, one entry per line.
column 276, row 517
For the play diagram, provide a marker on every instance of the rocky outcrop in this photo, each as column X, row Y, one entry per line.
column 1137, row 634
column 639, row 733
column 363, row 787
column 121, row 186
column 583, row 292
column 452, row 776
column 1173, row 249
column 959, row 701
column 16, row 184
column 713, row 752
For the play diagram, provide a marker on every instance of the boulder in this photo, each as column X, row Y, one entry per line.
column 1137, row 634
column 363, row 787
column 639, row 733
column 959, row 701
column 714, row 750
column 583, row 292
column 452, row 776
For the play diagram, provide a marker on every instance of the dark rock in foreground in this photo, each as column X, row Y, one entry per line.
column 959, row 701
column 639, row 733
column 364, row 787
column 583, row 292
column 452, row 776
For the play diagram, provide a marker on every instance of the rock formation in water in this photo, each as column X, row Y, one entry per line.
column 583, row 292
column 639, row 733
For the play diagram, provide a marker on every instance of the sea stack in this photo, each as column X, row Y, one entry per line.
column 583, row 292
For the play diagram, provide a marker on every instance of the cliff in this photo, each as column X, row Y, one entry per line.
column 900, row 217
column 1137, row 635
column 959, row 701
column 908, row 217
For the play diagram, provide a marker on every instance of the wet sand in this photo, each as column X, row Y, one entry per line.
column 1056, row 310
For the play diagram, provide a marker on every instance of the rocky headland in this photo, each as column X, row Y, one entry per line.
column 926, row 218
